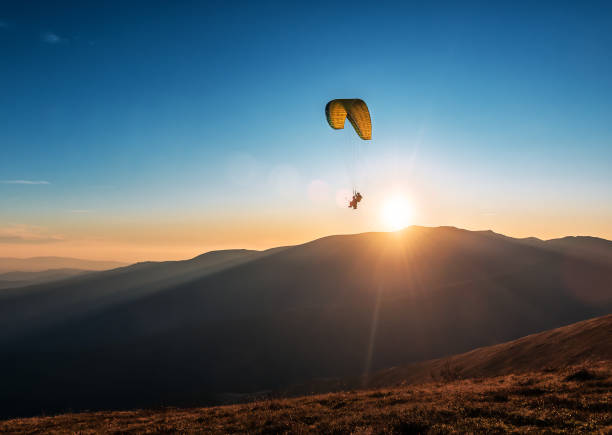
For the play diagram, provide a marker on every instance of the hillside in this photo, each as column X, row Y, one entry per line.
column 22, row 279
column 558, row 380
column 584, row 342
column 228, row 323
column 34, row 308
column 40, row 264
column 587, row 342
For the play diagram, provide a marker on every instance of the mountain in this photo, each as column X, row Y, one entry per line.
column 39, row 264
column 22, row 279
column 592, row 247
column 35, row 308
column 187, row 333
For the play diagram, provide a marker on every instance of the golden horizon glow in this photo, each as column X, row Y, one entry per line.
column 159, row 235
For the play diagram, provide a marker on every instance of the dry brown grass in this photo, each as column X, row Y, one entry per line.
column 576, row 400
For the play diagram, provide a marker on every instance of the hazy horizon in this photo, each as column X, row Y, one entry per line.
column 237, row 247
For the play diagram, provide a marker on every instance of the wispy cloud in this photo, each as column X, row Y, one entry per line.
column 52, row 38
column 24, row 182
column 23, row 234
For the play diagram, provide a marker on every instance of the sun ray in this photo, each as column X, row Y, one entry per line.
column 396, row 213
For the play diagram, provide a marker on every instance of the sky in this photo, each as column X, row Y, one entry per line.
column 160, row 130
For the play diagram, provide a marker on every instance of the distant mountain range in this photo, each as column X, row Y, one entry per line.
column 40, row 264
column 22, row 279
column 189, row 332
column 21, row 272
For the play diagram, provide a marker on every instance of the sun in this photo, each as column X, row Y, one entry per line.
column 396, row 213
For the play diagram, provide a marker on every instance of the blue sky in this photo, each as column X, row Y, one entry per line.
column 209, row 116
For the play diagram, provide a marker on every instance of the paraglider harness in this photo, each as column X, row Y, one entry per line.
column 356, row 199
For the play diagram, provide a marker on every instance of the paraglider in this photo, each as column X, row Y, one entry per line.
column 356, row 110
column 357, row 113
column 356, row 199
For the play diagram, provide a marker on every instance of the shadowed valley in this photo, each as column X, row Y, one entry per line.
column 556, row 381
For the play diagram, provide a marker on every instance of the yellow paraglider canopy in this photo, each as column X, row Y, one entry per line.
column 355, row 110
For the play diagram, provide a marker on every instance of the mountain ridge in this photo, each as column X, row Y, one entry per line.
column 22, row 279
column 44, row 263
column 186, row 332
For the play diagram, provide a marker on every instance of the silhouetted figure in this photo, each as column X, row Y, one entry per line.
column 356, row 199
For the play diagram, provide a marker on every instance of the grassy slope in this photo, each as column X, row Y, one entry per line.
column 586, row 341
column 579, row 343
column 577, row 399
column 558, row 380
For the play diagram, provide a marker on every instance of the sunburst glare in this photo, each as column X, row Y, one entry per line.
column 396, row 213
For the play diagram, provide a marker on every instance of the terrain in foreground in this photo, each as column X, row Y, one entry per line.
column 557, row 380
column 574, row 399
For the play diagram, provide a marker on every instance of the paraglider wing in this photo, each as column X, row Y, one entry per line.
column 355, row 110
